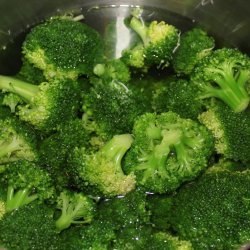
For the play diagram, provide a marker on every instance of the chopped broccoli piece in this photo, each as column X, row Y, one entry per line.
column 76, row 208
column 63, row 48
column 179, row 96
column 224, row 75
column 102, row 169
column 230, row 130
column 159, row 41
column 167, row 151
column 47, row 104
column 29, row 227
column 17, row 141
column 213, row 212
column 12, row 101
column 25, row 182
column 194, row 45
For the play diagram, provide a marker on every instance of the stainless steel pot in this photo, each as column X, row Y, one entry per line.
column 227, row 20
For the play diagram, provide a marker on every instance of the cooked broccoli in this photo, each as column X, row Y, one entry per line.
column 159, row 41
column 179, row 96
column 63, row 48
column 29, row 227
column 224, row 75
column 113, row 70
column 12, row 100
column 167, row 151
column 17, row 141
column 47, row 104
column 194, row 45
column 102, row 169
column 111, row 108
column 231, row 131
column 76, row 208
column 30, row 73
column 213, row 212
column 25, row 182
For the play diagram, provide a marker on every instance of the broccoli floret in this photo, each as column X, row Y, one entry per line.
column 102, row 169
column 17, row 141
column 25, row 182
column 48, row 104
column 12, row 101
column 230, row 130
column 111, row 108
column 63, row 48
column 76, row 208
column 159, row 40
column 213, row 212
column 167, row 151
column 179, row 96
column 224, row 75
column 113, row 70
column 30, row 73
column 194, row 45
column 163, row 240
column 29, row 227
column 159, row 205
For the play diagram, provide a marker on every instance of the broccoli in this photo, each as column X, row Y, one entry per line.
column 159, row 41
column 25, row 182
column 17, row 141
column 194, row 45
column 213, row 212
column 102, row 169
column 29, row 227
column 12, row 101
column 179, row 96
column 48, row 104
column 231, row 131
column 30, row 73
column 76, row 208
column 167, row 151
column 111, row 108
column 224, row 75
column 113, row 70
column 63, row 48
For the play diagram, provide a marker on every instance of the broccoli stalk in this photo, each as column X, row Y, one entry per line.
column 76, row 209
column 18, row 199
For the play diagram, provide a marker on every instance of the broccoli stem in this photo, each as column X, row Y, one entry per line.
column 7, row 148
column 140, row 28
column 116, row 148
column 18, row 199
column 23, row 89
column 232, row 91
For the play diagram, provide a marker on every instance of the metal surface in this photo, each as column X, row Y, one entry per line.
column 227, row 20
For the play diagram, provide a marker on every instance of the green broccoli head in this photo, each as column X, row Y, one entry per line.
column 17, row 141
column 63, row 48
column 224, row 75
column 48, row 104
column 111, row 108
column 167, row 151
column 179, row 96
column 213, row 212
column 159, row 41
column 76, row 208
column 102, row 169
column 26, row 182
column 114, row 69
column 231, row 131
column 33, row 227
column 194, row 45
